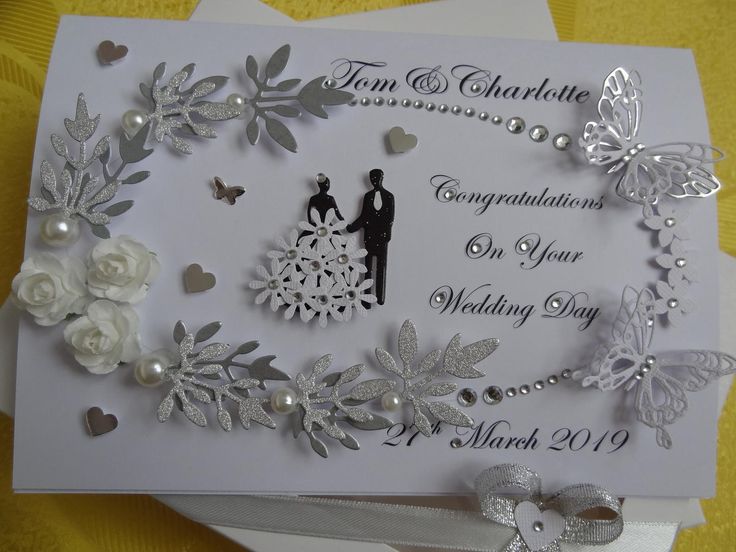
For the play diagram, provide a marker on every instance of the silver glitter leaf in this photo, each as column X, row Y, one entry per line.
column 421, row 422
column 371, row 389
column 212, row 351
column 216, row 111
column 165, row 408
column 251, row 410
column 407, row 342
column 78, row 192
column 387, row 361
column 350, row 374
column 59, row 146
column 449, row 414
column 439, row 389
column 194, row 414
column 224, row 419
column 418, row 383
column 357, row 414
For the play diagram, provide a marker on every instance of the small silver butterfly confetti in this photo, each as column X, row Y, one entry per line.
column 223, row 191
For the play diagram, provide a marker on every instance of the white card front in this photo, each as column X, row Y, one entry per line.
column 506, row 188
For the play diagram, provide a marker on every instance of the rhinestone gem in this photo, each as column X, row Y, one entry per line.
column 273, row 284
column 646, row 368
column 552, row 380
column 323, row 299
column 511, row 392
column 406, row 102
column 439, row 298
column 392, row 102
column 639, row 375
column 378, row 100
column 561, row 141
column 315, row 265
column 418, row 104
column 477, row 87
column 566, row 373
column 524, row 389
column 430, row 106
column 525, row 245
column 476, row 248
column 449, row 194
column 680, row 262
column 291, row 254
column 538, row 526
column 350, row 294
column 650, row 360
column 669, row 222
column 469, row 112
column 456, row 442
column 492, row 395
column 539, row 385
column 497, row 119
column 672, row 303
column 321, row 231
column 467, row 397
column 297, row 296
column 483, row 116
column 343, row 258
column 538, row 133
column 442, row 108
column 515, row 125
column 365, row 101
column 456, row 109
column 330, row 83
column 555, row 303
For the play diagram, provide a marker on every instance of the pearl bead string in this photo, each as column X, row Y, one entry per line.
column 515, row 125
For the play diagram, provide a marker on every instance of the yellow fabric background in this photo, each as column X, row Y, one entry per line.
column 138, row 523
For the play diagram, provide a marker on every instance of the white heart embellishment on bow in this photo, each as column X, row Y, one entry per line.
column 537, row 529
column 400, row 141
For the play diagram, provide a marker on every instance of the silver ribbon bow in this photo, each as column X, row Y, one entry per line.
column 542, row 524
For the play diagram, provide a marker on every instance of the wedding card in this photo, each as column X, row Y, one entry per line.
column 465, row 226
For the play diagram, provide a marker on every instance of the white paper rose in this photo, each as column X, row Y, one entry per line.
column 121, row 269
column 50, row 288
column 104, row 337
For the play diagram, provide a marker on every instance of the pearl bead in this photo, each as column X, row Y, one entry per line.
column 511, row 392
column 391, row 401
column 365, row 101
column 392, row 102
column 442, row 108
column 237, row 101
column 418, row 104
column 680, row 262
column 496, row 119
column 378, row 100
column 430, row 106
column 133, row 120
column 483, row 116
column 673, row 303
column 524, row 389
column 406, row 102
column 456, row 109
column 149, row 369
column 59, row 231
column 669, row 222
column 284, row 401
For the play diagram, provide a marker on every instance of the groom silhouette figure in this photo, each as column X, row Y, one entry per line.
column 376, row 218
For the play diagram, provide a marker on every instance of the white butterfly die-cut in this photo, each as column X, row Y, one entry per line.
column 677, row 169
column 661, row 382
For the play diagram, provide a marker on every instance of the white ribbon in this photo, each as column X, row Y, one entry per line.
column 395, row 524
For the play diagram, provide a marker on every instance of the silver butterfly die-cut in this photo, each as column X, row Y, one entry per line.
column 677, row 169
column 662, row 382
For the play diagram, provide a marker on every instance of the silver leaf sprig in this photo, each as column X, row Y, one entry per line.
column 204, row 376
column 419, row 384
column 174, row 111
column 279, row 99
column 78, row 191
column 321, row 405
